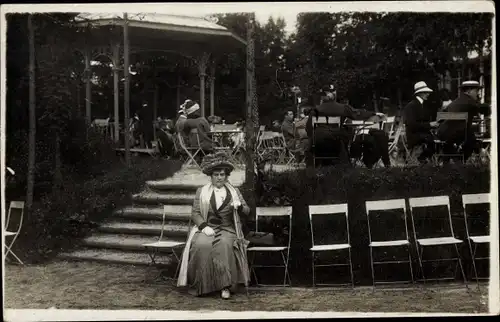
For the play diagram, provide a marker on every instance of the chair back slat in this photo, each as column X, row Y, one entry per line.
column 273, row 211
column 455, row 116
column 17, row 204
column 477, row 198
column 385, row 204
column 430, row 201
column 326, row 120
column 328, row 209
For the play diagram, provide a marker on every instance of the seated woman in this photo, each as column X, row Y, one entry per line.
column 211, row 261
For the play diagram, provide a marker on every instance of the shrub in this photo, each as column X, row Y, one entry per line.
column 61, row 218
column 354, row 186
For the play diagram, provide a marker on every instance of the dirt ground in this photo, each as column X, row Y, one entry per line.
column 74, row 285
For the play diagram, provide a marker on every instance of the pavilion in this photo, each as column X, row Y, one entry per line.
column 196, row 39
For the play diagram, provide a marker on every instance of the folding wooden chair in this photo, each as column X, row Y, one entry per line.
column 13, row 231
column 331, row 209
column 388, row 126
column 190, row 152
column 273, row 212
column 174, row 247
column 482, row 239
column 387, row 205
column 322, row 121
column 448, row 239
column 450, row 116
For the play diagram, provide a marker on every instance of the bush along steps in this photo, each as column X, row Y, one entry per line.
column 354, row 186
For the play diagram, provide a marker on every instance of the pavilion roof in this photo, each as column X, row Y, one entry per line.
column 162, row 32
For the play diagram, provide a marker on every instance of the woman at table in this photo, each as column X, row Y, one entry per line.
column 197, row 127
column 211, row 262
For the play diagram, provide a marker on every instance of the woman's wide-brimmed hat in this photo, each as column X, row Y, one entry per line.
column 218, row 160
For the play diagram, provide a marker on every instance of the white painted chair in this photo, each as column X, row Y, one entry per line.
column 331, row 210
column 174, row 247
column 283, row 250
column 388, row 205
column 13, row 232
column 475, row 239
column 436, row 242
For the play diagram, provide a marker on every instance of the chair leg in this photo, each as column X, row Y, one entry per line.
column 350, row 268
column 285, row 262
column 373, row 268
column 461, row 266
column 9, row 251
column 411, row 265
column 473, row 255
column 420, row 254
column 314, row 268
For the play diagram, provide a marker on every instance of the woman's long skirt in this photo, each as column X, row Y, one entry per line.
column 212, row 263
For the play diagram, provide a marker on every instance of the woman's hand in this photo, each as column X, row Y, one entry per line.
column 208, row 231
column 237, row 205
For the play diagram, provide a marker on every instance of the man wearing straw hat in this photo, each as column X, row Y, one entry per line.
column 417, row 124
column 451, row 131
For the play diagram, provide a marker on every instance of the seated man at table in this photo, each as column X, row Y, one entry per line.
column 196, row 126
column 454, row 132
column 300, row 130
column 333, row 142
column 417, row 123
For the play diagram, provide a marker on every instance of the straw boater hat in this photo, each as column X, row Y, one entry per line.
column 214, row 161
column 421, row 87
column 470, row 84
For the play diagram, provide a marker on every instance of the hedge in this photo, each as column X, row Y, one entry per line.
column 61, row 218
column 354, row 186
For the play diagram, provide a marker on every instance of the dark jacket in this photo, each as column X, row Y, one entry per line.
column 202, row 127
column 416, row 122
column 464, row 104
column 335, row 109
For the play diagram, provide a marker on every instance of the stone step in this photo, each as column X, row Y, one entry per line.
column 123, row 241
column 169, row 230
column 155, row 198
column 173, row 212
column 115, row 257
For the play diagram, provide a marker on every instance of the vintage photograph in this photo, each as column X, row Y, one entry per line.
column 281, row 157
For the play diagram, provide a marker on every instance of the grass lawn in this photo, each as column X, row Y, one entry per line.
column 73, row 285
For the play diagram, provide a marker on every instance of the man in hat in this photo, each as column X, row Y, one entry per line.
column 455, row 132
column 417, row 124
column 197, row 122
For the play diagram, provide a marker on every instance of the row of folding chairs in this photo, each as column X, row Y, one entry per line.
column 282, row 252
column 450, row 239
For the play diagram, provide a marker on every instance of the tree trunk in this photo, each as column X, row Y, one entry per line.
column 252, row 108
column 58, row 178
column 126, row 104
column 32, row 118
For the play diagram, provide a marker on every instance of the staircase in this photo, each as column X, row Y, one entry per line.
column 120, row 239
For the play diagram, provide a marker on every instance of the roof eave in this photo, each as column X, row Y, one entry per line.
column 164, row 27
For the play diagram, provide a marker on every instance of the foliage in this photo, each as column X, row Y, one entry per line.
column 354, row 186
column 62, row 218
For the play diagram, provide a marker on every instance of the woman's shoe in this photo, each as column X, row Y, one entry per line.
column 225, row 294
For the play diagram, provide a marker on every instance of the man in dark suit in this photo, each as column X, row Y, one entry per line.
column 330, row 141
column 454, row 132
column 417, row 125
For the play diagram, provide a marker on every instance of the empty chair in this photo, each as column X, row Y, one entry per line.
column 476, row 238
column 331, row 210
column 385, row 206
column 174, row 247
column 282, row 250
column 13, row 228
column 443, row 240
